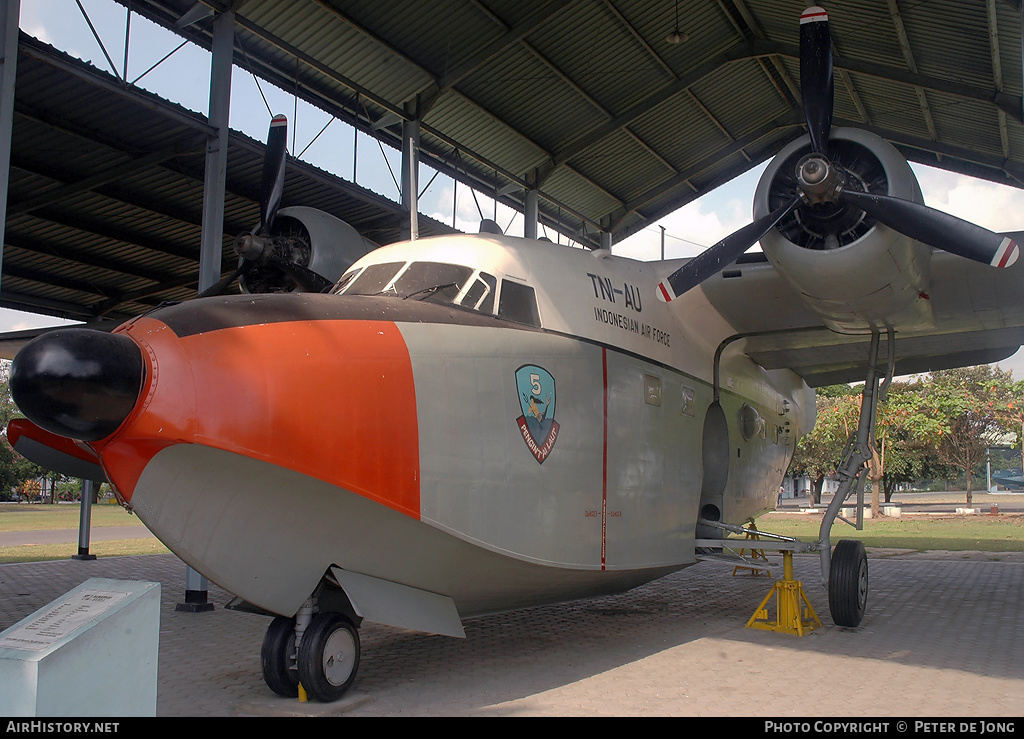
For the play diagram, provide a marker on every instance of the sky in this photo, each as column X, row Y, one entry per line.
column 184, row 78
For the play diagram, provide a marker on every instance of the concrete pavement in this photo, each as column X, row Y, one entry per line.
column 941, row 638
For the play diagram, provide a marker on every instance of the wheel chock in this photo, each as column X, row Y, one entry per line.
column 793, row 612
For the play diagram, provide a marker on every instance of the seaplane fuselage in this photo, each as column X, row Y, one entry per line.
column 499, row 421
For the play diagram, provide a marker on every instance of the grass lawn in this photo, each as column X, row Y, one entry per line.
column 43, row 516
column 1004, row 533
column 115, row 548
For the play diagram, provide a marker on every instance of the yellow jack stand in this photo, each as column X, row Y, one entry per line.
column 754, row 554
column 790, row 594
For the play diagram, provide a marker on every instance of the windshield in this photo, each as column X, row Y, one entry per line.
column 432, row 282
column 372, row 280
column 429, row 281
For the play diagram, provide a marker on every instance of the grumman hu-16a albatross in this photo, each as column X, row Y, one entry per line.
column 428, row 431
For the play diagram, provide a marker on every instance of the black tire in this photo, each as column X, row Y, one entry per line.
column 848, row 583
column 277, row 657
column 328, row 657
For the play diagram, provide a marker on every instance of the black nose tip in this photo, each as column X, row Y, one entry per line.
column 78, row 383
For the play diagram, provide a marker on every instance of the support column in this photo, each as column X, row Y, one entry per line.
column 85, row 521
column 410, row 177
column 212, row 246
column 196, row 593
column 9, row 13
column 215, row 179
column 531, row 214
column 606, row 240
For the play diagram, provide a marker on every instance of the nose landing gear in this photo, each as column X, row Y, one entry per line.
column 328, row 657
column 278, row 657
column 311, row 655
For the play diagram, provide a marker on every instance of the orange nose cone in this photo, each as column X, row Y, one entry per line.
column 333, row 399
column 165, row 414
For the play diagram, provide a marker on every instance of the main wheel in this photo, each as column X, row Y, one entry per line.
column 277, row 657
column 848, row 583
column 328, row 657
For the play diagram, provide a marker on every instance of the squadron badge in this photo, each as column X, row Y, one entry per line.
column 537, row 425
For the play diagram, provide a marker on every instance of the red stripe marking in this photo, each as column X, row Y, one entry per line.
column 813, row 15
column 1009, row 255
column 604, row 465
column 664, row 292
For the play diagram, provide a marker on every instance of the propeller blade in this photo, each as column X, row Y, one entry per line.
column 936, row 228
column 272, row 184
column 306, row 279
column 817, row 84
column 222, row 284
column 726, row 251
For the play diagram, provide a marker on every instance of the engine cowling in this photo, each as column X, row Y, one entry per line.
column 308, row 237
column 855, row 273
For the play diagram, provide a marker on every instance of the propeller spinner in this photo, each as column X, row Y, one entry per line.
column 820, row 180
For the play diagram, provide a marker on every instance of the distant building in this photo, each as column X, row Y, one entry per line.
column 801, row 487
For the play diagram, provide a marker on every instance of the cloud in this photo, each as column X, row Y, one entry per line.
column 38, row 30
column 987, row 204
column 688, row 231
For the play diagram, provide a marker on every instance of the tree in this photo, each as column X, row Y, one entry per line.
column 914, row 432
column 906, row 436
column 820, row 452
column 961, row 401
column 14, row 468
column 1006, row 398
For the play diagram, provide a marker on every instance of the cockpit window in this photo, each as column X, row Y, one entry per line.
column 432, row 282
column 437, row 282
column 345, row 279
column 480, row 295
column 374, row 279
column 518, row 303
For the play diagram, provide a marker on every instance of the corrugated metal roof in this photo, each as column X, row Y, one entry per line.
column 585, row 98
column 106, row 194
column 589, row 100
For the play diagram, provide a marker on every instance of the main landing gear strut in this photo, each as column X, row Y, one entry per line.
column 844, row 569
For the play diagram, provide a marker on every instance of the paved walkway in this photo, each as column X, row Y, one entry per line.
column 941, row 638
column 64, row 536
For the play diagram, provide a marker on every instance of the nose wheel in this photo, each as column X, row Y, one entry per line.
column 328, row 657
column 278, row 657
column 324, row 664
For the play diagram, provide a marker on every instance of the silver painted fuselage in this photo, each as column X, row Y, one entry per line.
column 508, row 513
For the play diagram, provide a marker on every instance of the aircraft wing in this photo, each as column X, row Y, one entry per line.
column 978, row 319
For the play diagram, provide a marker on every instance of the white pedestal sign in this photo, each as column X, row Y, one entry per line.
column 92, row 652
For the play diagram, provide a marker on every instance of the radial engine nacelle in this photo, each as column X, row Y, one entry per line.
column 853, row 271
column 300, row 238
